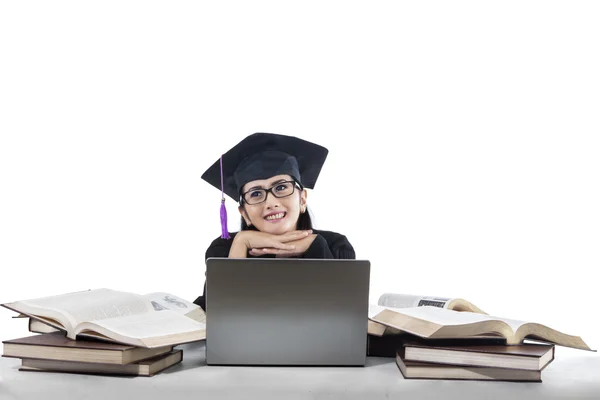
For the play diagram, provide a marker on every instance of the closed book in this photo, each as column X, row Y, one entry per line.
column 534, row 357
column 55, row 346
column 422, row 370
column 37, row 326
column 387, row 345
column 142, row 368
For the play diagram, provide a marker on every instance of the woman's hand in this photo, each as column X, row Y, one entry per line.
column 260, row 240
column 300, row 247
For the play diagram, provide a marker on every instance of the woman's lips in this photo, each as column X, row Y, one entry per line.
column 275, row 217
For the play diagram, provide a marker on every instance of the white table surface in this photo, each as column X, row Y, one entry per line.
column 572, row 375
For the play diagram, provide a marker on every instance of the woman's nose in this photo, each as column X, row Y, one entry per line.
column 271, row 200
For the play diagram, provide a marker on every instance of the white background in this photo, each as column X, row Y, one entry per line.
column 463, row 142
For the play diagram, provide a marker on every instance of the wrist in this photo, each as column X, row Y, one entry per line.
column 241, row 239
column 238, row 248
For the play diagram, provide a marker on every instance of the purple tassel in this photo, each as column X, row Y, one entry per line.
column 224, row 231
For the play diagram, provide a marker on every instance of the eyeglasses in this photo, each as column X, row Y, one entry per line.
column 281, row 189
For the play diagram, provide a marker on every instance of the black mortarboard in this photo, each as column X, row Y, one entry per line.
column 261, row 156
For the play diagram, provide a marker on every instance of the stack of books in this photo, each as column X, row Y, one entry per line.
column 105, row 332
column 53, row 352
column 432, row 341
column 464, row 359
column 474, row 361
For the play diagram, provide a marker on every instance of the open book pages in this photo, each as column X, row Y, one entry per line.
column 166, row 301
column 118, row 316
column 406, row 301
column 145, row 330
column 396, row 300
column 160, row 301
column 434, row 322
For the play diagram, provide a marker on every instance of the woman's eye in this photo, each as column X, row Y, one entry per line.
column 257, row 193
column 281, row 188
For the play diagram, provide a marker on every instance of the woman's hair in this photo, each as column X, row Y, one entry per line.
column 304, row 223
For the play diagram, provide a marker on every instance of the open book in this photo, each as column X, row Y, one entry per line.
column 144, row 321
column 166, row 301
column 434, row 322
column 396, row 300
column 160, row 301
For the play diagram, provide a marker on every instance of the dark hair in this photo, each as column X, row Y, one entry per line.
column 304, row 223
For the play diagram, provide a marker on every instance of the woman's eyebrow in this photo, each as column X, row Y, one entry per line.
column 272, row 183
column 277, row 181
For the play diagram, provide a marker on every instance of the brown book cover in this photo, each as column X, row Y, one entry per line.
column 524, row 356
column 422, row 370
column 148, row 367
column 55, row 346
column 387, row 346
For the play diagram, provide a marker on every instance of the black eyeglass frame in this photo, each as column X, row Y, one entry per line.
column 270, row 190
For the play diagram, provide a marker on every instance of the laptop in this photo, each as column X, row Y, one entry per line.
column 276, row 311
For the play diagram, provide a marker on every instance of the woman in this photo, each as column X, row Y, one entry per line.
column 267, row 174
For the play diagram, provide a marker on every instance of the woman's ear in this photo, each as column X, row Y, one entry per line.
column 244, row 215
column 303, row 196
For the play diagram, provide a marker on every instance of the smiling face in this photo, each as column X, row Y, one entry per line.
column 273, row 215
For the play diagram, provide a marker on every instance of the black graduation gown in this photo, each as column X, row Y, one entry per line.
column 327, row 245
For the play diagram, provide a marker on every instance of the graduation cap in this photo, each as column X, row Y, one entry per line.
column 262, row 156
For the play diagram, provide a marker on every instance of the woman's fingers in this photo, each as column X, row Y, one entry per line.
column 286, row 242
column 275, row 244
column 256, row 252
column 295, row 235
column 262, row 252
